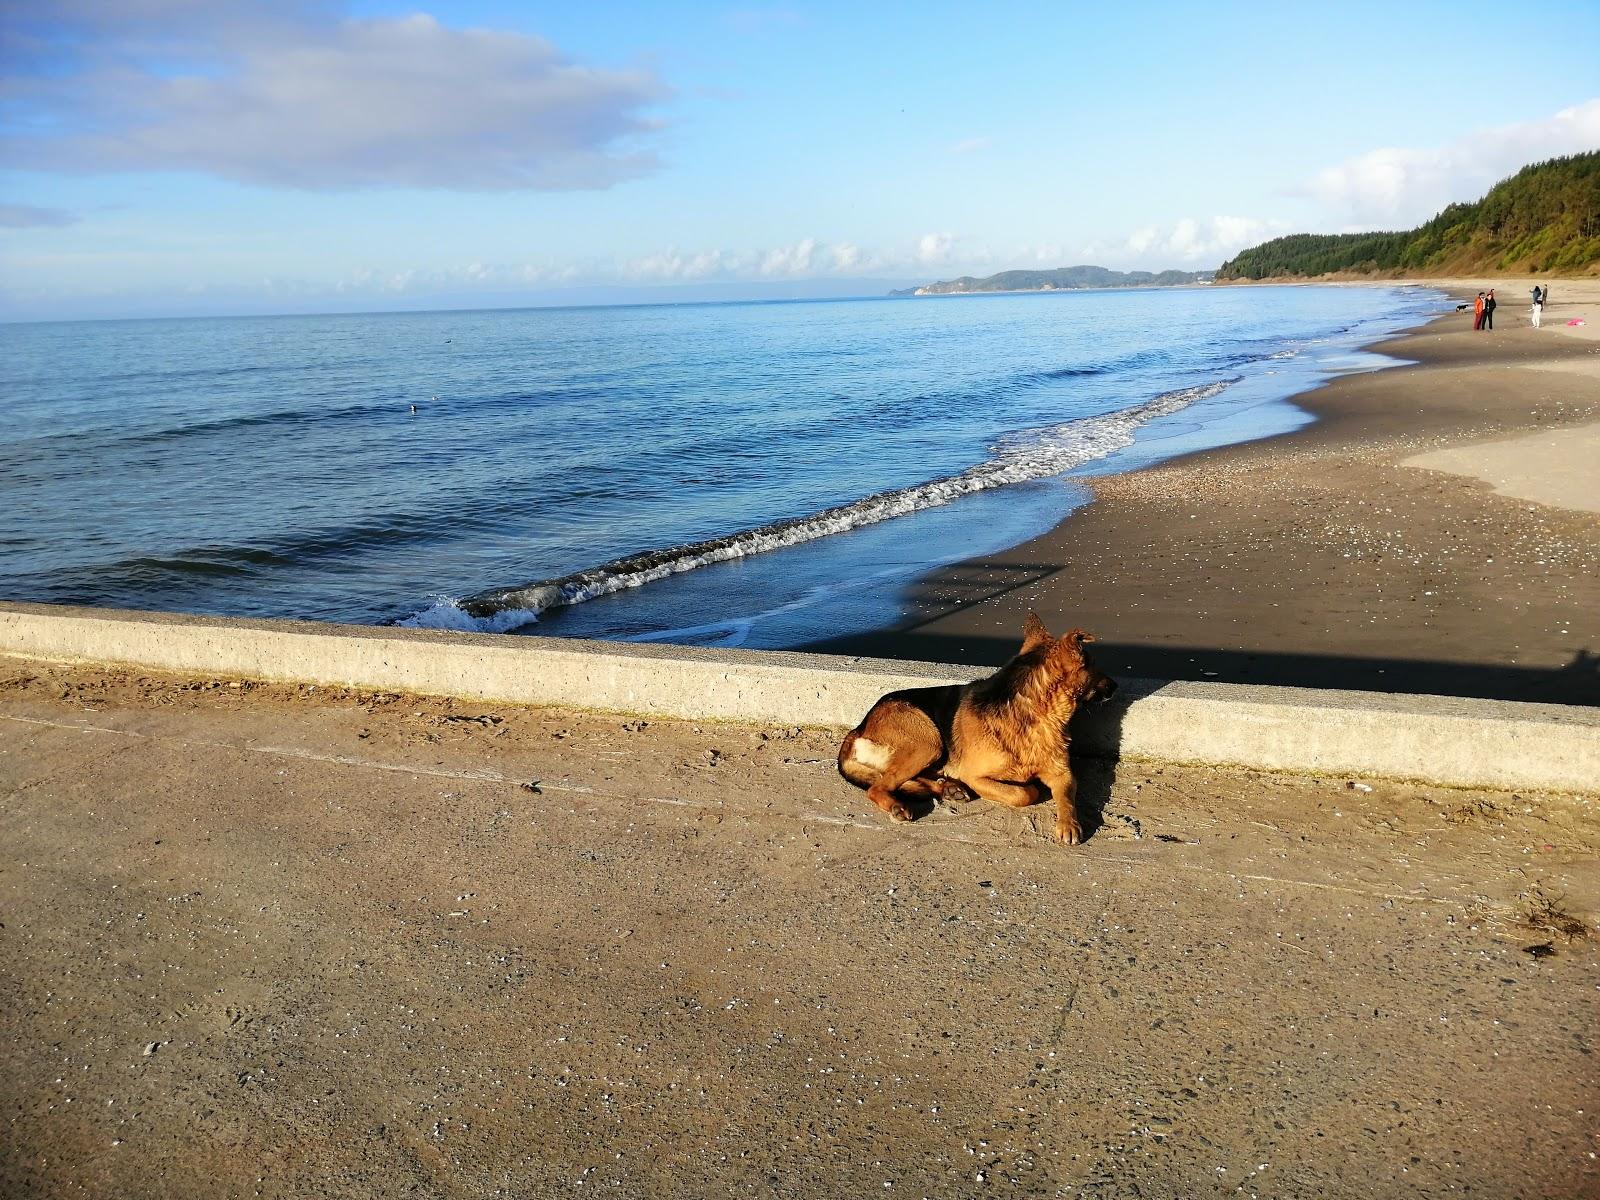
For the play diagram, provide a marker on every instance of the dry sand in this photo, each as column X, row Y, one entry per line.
column 267, row 941
column 1320, row 558
column 1558, row 467
column 1571, row 300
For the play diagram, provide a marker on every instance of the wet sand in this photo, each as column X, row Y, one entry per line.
column 1321, row 558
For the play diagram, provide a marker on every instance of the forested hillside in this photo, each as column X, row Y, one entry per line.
column 1544, row 219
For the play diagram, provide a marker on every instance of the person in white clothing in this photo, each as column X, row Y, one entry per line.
column 1538, row 304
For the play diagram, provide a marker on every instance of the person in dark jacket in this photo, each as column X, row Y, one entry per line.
column 1488, row 310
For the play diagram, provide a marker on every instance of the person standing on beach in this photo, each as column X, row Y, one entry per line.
column 1538, row 305
column 1477, row 312
column 1488, row 310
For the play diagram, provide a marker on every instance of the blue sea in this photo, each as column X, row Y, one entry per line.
column 762, row 474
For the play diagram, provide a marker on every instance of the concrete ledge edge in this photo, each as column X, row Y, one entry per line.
column 1432, row 739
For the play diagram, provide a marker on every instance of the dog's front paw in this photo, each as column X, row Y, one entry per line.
column 1069, row 833
column 953, row 791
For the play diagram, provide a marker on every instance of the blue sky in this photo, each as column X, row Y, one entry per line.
column 181, row 156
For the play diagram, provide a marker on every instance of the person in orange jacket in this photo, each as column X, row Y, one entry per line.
column 1477, row 312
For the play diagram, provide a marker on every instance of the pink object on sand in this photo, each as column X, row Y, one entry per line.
column 1577, row 321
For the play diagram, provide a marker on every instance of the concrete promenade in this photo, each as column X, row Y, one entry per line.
column 290, row 939
column 1460, row 742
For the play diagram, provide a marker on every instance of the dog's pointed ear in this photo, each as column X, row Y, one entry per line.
column 1034, row 633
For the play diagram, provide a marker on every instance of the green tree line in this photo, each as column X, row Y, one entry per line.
column 1545, row 218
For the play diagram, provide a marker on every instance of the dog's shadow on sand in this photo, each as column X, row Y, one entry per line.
column 1096, row 734
column 1096, row 777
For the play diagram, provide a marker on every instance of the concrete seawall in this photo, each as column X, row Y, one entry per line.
column 1469, row 743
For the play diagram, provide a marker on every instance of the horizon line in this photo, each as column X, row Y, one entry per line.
column 903, row 294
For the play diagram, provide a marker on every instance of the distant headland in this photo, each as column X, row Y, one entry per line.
column 1062, row 279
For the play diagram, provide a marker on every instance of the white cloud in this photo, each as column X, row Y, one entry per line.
column 1140, row 241
column 970, row 145
column 791, row 260
column 301, row 101
column 935, row 248
column 412, row 280
column 1403, row 187
column 673, row 265
column 1189, row 242
column 807, row 258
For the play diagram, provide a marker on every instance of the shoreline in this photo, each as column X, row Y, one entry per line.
column 1256, row 402
column 1316, row 558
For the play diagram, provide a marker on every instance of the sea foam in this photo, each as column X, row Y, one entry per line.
column 1018, row 458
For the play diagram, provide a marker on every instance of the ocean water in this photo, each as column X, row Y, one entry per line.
column 760, row 474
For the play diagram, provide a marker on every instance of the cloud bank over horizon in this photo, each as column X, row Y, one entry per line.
column 1405, row 187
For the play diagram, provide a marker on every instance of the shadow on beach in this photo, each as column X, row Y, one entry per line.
column 1575, row 682
column 1096, row 757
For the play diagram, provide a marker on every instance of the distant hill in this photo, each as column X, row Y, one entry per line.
column 1545, row 218
column 1058, row 280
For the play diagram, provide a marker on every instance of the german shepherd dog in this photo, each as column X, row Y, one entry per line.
column 1003, row 738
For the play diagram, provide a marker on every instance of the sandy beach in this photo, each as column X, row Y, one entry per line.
column 1433, row 531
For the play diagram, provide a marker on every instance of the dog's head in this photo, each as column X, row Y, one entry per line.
column 1065, row 655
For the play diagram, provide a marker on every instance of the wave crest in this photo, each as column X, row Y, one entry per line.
column 1019, row 458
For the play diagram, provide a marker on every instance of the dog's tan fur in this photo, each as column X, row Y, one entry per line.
column 1004, row 738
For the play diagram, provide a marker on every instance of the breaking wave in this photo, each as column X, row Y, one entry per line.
column 1019, row 458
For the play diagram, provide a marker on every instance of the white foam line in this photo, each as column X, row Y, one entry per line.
column 1019, row 458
